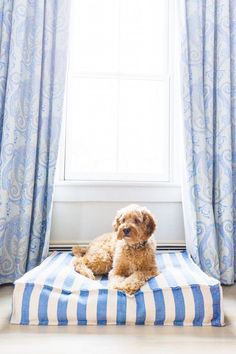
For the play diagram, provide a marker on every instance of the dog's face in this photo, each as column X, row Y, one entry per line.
column 134, row 224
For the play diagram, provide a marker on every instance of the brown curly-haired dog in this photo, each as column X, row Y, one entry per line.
column 128, row 254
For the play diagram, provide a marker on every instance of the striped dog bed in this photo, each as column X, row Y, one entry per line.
column 54, row 294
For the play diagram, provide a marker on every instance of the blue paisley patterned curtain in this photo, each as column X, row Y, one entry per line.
column 32, row 72
column 209, row 103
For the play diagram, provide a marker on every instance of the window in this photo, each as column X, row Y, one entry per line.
column 119, row 96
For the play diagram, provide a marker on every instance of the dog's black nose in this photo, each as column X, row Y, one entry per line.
column 126, row 231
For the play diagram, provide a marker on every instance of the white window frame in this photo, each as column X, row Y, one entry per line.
column 127, row 191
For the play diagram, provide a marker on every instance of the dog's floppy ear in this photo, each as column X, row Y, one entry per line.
column 116, row 222
column 149, row 221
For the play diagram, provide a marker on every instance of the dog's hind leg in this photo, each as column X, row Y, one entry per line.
column 82, row 268
column 79, row 251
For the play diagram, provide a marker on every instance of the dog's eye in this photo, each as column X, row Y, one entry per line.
column 137, row 221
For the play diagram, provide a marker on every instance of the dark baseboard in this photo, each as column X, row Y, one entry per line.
column 160, row 247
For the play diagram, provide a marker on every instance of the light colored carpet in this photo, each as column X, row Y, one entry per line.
column 16, row 339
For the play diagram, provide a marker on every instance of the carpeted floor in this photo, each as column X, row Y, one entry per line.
column 117, row 340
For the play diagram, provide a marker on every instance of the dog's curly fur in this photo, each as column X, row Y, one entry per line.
column 127, row 254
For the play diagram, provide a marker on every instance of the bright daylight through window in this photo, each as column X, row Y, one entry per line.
column 118, row 97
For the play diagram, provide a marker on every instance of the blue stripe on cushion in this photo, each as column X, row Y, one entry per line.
column 178, row 296
column 82, row 306
column 62, row 308
column 159, row 302
column 152, row 282
column 104, row 280
column 174, row 260
column 102, row 307
column 179, row 306
column 102, row 302
column 160, row 262
column 29, row 288
column 199, row 305
column 43, row 306
column 121, row 308
column 191, row 265
column 25, row 303
column 63, row 299
column 160, row 307
column 215, row 293
column 140, row 308
column 47, row 289
column 189, row 262
column 69, row 282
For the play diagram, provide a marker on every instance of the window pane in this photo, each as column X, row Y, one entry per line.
column 127, row 36
column 93, row 44
column 117, row 109
column 106, row 143
column 91, row 127
column 144, row 127
column 144, row 36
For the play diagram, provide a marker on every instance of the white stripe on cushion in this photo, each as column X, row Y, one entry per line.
column 208, row 304
column 150, row 308
column 91, row 310
column 73, row 300
column 111, row 306
column 169, row 306
column 34, row 301
column 130, row 309
column 17, row 302
column 56, row 293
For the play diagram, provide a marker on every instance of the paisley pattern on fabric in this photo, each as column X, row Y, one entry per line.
column 33, row 37
column 209, row 104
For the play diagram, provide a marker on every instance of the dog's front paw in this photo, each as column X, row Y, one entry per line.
column 129, row 289
column 115, row 283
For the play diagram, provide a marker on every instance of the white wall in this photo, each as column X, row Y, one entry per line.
column 82, row 221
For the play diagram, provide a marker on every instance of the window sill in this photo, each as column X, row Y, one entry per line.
column 109, row 191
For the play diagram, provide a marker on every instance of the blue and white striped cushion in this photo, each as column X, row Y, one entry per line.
column 54, row 294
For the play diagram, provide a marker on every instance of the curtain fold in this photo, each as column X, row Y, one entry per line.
column 209, row 106
column 33, row 37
